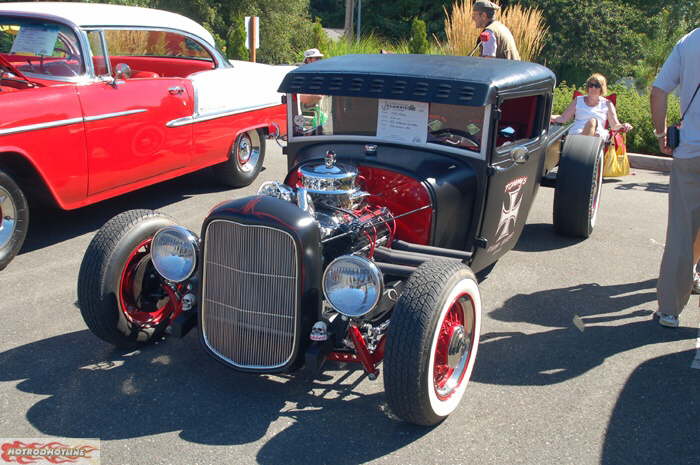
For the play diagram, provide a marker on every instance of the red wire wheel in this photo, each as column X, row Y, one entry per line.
column 432, row 342
column 144, row 298
column 454, row 346
column 122, row 298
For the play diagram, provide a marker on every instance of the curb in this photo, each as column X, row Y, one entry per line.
column 649, row 162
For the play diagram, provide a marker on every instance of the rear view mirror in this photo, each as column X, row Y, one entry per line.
column 122, row 71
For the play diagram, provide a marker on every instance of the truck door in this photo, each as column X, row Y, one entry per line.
column 515, row 166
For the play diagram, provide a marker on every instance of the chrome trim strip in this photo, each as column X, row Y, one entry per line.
column 34, row 127
column 82, row 41
column 184, row 121
column 205, row 300
column 66, row 122
column 485, row 131
column 217, row 56
column 114, row 115
column 105, row 50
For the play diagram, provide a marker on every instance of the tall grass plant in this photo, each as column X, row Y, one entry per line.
column 371, row 44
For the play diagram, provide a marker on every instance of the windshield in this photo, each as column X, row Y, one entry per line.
column 397, row 120
column 41, row 49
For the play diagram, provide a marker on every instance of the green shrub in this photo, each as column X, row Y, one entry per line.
column 632, row 107
column 237, row 39
column 320, row 39
column 419, row 41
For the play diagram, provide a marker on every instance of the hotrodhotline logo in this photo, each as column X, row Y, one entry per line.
column 28, row 451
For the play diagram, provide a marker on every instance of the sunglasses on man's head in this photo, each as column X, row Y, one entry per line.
column 593, row 84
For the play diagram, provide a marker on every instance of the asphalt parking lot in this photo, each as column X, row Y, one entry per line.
column 570, row 370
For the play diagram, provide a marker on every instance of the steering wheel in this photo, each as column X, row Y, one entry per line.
column 456, row 137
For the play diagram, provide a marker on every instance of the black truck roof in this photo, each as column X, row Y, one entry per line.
column 455, row 80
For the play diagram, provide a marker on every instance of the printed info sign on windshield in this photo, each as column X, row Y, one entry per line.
column 403, row 121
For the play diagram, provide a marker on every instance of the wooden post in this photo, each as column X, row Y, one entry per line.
column 253, row 36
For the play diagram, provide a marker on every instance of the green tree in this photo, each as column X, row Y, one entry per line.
column 418, row 42
column 331, row 12
column 236, row 40
column 319, row 38
column 393, row 19
column 657, row 46
column 587, row 36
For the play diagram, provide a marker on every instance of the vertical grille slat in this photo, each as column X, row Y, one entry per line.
column 249, row 298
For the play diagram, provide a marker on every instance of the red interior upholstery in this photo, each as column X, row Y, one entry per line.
column 166, row 67
column 143, row 74
column 520, row 114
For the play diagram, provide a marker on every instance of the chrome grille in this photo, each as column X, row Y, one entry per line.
column 249, row 295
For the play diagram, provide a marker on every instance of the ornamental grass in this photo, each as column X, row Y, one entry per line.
column 369, row 44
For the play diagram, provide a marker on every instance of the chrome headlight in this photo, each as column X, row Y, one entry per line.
column 174, row 253
column 352, row 285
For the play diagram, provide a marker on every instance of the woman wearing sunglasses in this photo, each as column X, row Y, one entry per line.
column 592, row 110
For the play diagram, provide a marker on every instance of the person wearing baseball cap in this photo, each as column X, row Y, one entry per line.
column 496, row 40
column 311, row 55
column 311, row 103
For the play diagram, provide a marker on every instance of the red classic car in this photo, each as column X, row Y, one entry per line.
column 98, row 100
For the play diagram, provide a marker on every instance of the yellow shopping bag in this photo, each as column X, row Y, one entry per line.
column 616, row 163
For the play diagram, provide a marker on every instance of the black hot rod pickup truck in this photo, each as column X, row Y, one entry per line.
column 409, row 176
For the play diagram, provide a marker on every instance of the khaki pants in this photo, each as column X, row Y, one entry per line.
column 676, row 274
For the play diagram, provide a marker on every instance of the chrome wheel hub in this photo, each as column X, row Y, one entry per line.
column 457, row 356
column 458, row 347
column 247, row 151
column 8, row 217
column 244, row 150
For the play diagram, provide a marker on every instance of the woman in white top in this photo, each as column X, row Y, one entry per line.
column 592, row 110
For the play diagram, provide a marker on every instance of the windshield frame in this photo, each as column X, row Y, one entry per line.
column 87, row 70
column 480, row 154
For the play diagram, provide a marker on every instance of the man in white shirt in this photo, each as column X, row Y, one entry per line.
column 682, row 68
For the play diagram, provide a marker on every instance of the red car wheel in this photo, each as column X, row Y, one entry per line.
column 245, row 160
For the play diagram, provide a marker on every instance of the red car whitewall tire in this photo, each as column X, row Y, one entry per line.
column 245, row 160
column 121, row 297
column 432, row 342
column 14, row 219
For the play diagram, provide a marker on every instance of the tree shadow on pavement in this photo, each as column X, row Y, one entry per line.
column 657, row 416
column 661, row 188
column 96, row 391
column 565, row 352
column 49, row 226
